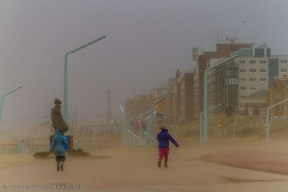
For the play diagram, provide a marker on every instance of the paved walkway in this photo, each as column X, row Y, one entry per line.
column 262, row 161
column 269, row 157
column 135, row 169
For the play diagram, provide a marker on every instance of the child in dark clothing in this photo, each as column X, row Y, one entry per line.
column 163, row 139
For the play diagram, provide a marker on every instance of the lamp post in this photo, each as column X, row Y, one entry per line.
column 285, row 108
column 10, row 127
column 66, row 74
column 36, row 132
column 267, row 118
column 24, row 120
column 180, row 118
column 101, row 115
column 259, row 107
column 51, row 127
column 149, row 122
column 206, row 96
column 123, row 126
column 143, row 114
column 2, row 99
column 201, row 114
column 151, row 117
column 235, row 123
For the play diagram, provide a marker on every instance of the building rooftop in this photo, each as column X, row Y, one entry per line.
column 259, row 94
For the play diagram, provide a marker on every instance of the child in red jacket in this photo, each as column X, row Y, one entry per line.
column 163, row 145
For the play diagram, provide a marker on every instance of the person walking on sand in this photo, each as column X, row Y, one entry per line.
column 163, row 138
column 58, row 142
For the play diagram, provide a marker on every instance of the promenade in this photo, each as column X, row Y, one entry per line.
column 252, row 166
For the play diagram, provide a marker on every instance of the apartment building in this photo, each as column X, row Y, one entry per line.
column 214, row 48
column 277, row 92
column 253, row 70
column 167, row 109
column 170, row 102
column 186, row 87
column 256, row 103
column 138, row 105
column 162, row 107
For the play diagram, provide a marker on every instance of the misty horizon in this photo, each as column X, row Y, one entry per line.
column 146, row 42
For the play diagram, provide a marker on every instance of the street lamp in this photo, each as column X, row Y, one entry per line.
column 235, row 123
column 201, row 114
column 2, row 99
column 180, row 118
column 140, row 116
column 206, row 96
column 101, row 115
column 259, row 108
column 151, row 117
column 285, row 108
column 22, row 123
column 36, row 130
column 149, row 122
column 267, row 118
column 10, row 127
column 65, row 115
column 123, row 132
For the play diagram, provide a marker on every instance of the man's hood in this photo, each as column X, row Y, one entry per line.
column 57, row 101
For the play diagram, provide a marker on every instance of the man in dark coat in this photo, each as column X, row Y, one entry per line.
column 163, row 139
column 57, row 119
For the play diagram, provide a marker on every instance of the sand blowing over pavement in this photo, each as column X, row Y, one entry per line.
column 127, row 169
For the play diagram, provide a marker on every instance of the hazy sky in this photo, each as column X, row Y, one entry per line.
column 147, row 41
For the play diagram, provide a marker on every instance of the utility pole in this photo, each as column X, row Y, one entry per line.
column 109, row 113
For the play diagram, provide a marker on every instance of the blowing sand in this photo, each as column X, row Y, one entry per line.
column 135, row 169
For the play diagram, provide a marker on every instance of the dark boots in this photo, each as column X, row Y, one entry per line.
column 159, row 163
column 166, row 161
column 60, row 166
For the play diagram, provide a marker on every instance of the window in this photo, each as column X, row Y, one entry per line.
column 242, row 79
column 262, row 70
column 283, row 70
column 252, row 79
column 277, row 95
column 242, row 87
column 242, row 70
column 262, row 61
column 242, row 61
column 252, row 70
column 283, row 61
column 252, row 61
column 262, row 79
column 242, row 105
column 232, row 81
column 252, row 88
column 277, row 108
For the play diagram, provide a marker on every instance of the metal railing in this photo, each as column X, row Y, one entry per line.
column 134, row 139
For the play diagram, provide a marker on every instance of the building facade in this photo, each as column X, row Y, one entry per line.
column 211, row 49
column 138, row 105
column 277, row 92
column 186, row 83
column 253, row 70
